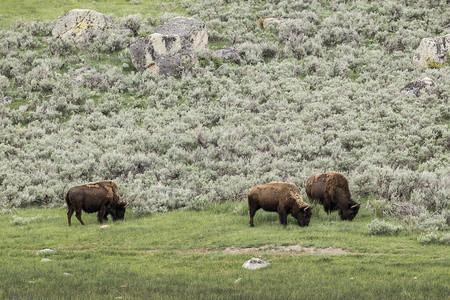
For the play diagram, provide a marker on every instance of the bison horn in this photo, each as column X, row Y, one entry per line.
column 355, row 206
column 306, row 208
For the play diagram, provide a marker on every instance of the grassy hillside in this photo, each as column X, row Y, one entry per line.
column 320, row 95
column 13, row 11
column 199, row 254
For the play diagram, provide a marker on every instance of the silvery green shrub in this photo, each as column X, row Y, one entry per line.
column 132, row 22
column 35, row 28
column 434, row 237
column 4, row 84
column 17, row 220
column 381, row 227
column 60, row 47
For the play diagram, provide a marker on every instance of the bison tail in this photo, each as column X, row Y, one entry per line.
column 67, row 199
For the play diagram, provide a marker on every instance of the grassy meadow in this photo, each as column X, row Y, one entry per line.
column 199, row 254
column 30, row 10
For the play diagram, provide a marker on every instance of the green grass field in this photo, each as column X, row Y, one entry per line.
column 199, row 254
column 12, row 11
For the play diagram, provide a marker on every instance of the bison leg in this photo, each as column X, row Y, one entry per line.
column 69, row 214
column 253, row 209
column 101, row 214
column 282, row 213
column 78, row 215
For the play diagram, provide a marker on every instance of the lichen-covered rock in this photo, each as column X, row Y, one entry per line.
column 433, row 49
column 227, row 53
column 171, row 48
column 175, row 64
column 80, row 25
column 414, row 88
column 153, row 51
column 192, row 32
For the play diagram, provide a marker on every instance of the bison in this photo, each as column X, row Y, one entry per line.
column 102, row 196
column 331, row 190
column 282, row 197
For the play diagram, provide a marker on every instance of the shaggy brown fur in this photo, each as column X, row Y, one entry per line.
column 282, row 197
column 332, row 191
column 102, row 197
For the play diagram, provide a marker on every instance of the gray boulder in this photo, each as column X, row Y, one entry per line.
column 171, row 48
column 227, row 53
column 153, row 51
column 435, row 49
column 192, row 32
column 175, row 64
column 80, row 25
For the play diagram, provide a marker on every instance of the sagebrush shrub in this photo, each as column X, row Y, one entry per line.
column 434, row 238
column 17, row 220
column 381, row 227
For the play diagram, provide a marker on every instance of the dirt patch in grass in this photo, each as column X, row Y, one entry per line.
column 267, row 249
column 293, row 250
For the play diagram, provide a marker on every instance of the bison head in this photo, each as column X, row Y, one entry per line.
column 117, row 211
column 350, row 211
column 304, row 216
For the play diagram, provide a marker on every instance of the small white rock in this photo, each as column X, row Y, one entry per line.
column 45, row 259
column 428, row 81
column 237, row 280
column 45, row 251
column 104, row 226
column 67, row 274
column 255, row 263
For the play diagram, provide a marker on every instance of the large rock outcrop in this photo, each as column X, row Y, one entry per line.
column 192, row 32
column 432, row 49
column 173, row 46
column 152, row 51
column 80, row 25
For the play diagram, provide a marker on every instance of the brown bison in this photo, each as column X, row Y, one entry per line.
column 282, row 197
column 102, row 196
column 331, row 190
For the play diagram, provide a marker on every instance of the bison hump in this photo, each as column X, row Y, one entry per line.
column 298, row 199
column 335, row 180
